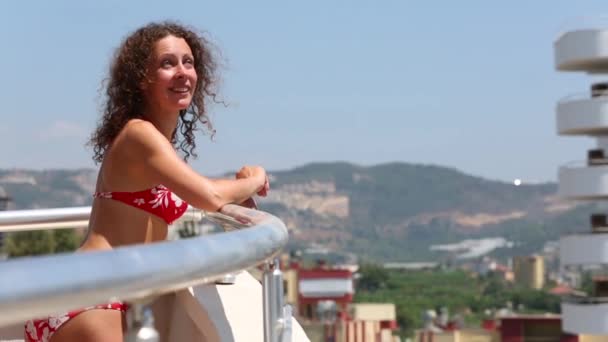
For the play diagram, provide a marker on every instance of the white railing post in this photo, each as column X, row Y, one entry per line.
column 269, row 306
column 286, row 332
column 277, row 315
column 140, row 324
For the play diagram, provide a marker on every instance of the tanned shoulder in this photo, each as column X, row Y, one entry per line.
column 139, row 138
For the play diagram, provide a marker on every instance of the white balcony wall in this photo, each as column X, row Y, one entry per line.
column 584, row 249
column 583, row 116
column 326, row 288
column 582, row 50
column 589, row 319
column 583, row 182
column 219, row 313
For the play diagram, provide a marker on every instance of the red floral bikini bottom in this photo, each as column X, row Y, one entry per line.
column 41, row 330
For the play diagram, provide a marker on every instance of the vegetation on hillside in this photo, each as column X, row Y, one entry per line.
column 384, row 198
column 383, row 202
column 461, row 293
column 26, row 243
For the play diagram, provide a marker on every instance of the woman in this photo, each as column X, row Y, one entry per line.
column 160, row 81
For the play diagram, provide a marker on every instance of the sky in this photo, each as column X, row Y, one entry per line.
column 464, row 84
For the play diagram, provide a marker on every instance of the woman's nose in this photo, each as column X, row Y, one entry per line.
column 180, row 71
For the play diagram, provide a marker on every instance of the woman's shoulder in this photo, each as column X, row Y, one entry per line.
column 137, row 127
column 138, row 131
column 138, row 136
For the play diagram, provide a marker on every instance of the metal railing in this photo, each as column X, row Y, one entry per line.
column 39, row 286
column 76, row 217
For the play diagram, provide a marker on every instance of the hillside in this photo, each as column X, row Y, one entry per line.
column 396, row 211
column 391, row 211
column 30, row 189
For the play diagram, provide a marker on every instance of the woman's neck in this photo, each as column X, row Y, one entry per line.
column 165, row 122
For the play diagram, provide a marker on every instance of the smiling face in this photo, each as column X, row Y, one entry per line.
column 171, row 75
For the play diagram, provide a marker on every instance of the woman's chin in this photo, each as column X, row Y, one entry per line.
column 181, row 105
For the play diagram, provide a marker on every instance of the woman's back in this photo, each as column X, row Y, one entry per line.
column 113, row 222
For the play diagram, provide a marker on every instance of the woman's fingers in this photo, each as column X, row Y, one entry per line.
column 255, row 171
column 264, row 191
column 249, row 203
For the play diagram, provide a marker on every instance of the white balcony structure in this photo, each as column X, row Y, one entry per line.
column 584, row 249
column 582, row 50
column 582, row 115
column 590, row 318
column 172, row 279
column 582, row 182
column 326, row 288
column 586, row 50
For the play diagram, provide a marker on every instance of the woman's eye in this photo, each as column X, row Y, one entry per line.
column 189, row 61
column 165, row 63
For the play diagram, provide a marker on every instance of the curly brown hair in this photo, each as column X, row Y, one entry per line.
column 124, row 98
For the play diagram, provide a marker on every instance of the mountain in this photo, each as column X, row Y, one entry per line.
column 392, row 211
column 397, row 211
column 29, row 189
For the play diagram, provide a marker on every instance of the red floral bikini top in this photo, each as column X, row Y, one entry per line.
column 159, row 201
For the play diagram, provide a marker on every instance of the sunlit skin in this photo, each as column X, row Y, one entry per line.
column 140, row 157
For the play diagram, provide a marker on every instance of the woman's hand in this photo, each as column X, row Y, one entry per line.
column 249, row 203
column 258, row 173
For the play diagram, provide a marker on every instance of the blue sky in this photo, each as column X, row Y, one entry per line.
column 467, row 84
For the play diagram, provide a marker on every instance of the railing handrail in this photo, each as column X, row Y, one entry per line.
column 15, row 217
column 73, row 217
column 38, row 286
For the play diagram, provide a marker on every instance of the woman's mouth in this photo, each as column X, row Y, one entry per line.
column 180, row 90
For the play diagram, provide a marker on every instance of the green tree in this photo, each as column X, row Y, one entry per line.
column 408, row 320
column 587, row 284
column 414, row 292
column 493, row 285
column 26, row 243
column 373, row 277
column 536, row 300
column 66, row 240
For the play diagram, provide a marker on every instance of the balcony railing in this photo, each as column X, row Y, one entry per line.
column 39, row 286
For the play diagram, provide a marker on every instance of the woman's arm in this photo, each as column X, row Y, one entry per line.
column 160, row 163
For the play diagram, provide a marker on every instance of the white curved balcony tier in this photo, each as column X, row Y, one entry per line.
column 585, row 318
column 582, row 50
column 582, row 115
column 583, row 182
column 584, row 249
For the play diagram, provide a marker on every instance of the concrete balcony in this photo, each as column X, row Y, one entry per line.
column 584, row 249
column 585, row 318
column 583, row 182
column 582, row 50
column 582, row 115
